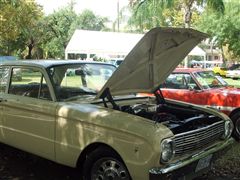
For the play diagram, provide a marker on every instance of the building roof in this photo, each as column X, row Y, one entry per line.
column 98, row 42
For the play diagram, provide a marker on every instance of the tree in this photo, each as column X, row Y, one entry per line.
column 153, row 9
column 18, row 26
column 225, row 29
column 87, row 20
column 57, row 32
column 60, row 26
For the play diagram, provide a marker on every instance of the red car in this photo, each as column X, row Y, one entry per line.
column 203, row 87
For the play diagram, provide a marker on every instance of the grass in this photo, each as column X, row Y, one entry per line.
column 233, row 82
column 228, row 165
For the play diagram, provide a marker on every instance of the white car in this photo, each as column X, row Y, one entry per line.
column 234, row 74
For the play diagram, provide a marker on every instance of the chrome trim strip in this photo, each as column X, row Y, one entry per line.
column 201, row 129
column 221, row 108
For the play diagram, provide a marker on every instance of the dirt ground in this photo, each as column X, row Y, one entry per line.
column 18, row 165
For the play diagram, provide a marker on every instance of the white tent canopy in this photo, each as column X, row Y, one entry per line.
column 197, row 51
column 103, row 43
column 109, row 44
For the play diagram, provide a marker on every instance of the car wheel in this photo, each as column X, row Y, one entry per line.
column 104, row 164
column 236, row 121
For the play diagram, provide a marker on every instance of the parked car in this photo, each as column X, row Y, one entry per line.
column 234, row 74
column 221, row 71
column 203, row 87
column 101, row 127
column 234, row 66
column 227, row 72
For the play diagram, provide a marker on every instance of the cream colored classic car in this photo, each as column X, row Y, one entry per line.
column 72, row 113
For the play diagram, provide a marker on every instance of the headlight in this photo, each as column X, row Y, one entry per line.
column 168, row 150
column 228, row 129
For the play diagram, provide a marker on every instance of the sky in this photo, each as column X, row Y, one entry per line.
column 107, row 8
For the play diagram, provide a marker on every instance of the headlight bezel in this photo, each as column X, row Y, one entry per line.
column 228, row 128
column 167, row 150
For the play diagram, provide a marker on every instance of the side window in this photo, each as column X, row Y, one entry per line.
column 191, row 84
column 29, row 82
column 179, row 81
column 4, row 74
column 175, row 81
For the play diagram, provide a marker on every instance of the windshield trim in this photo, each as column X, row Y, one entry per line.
column 206, row 86
column 91, row 89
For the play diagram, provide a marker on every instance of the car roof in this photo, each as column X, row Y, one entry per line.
column 189, row 70
column 49, row 63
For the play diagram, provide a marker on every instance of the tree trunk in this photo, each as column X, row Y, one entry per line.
column 30, row 48
column 223, row 57
column 187, row 16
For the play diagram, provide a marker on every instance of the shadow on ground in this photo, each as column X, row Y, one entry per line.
column 18, row 165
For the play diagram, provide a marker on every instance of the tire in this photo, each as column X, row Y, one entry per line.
column 104, row 164
column 236, row 121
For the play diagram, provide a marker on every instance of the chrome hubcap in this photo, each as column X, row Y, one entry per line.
column 109, row 169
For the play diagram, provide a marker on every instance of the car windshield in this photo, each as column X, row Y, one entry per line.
column 72, row 81
column 208, row 80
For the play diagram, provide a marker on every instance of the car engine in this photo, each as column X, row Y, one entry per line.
column 175, row 117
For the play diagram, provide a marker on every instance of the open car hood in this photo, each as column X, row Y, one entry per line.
column 153, row 58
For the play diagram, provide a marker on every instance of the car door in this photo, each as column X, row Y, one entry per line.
column 182, row 87
column 29, row 113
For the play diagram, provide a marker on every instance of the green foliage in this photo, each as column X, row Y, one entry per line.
column 18, row 25
column 57, row 32
column 60, row 26
column 87, row 20
column 152, row 13
column 25, row 32
column 148, row 13
column 226, row 29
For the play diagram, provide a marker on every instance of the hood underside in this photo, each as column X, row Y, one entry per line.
column 153, row 58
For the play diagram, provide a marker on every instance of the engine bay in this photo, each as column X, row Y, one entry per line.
column 176, row 118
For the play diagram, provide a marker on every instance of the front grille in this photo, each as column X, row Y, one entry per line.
column 198, row 139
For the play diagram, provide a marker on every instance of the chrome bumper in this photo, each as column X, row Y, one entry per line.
column 158, row 171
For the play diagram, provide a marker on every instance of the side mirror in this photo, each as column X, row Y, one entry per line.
column 194, row 88
column 80, row 72
column 84, row 72
column 191, row 88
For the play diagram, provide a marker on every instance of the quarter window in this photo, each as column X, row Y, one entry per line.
column 29, row 82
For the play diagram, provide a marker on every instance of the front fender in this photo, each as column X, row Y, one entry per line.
column 135, row 139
